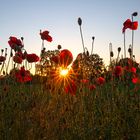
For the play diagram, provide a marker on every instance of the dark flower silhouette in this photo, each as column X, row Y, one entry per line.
column 15, row 43
column 17, row 59
column 55, row 59
column 2, row 58
column 32, row 58
column 23, row 75
column 45, row 36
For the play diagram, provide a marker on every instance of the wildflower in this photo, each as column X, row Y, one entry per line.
column 32, row 58
column 2, row 58
column 133, row 70
column 134, row 80
column 45, row 36
column 17, row 59
column 85, row 81
column 92, row 87
column 55, row 59
column 129, row 24
column 15, row 43
column 100, row 80
column 23, row 75
column 71, row 88
column 118, row 71
column 66, row 57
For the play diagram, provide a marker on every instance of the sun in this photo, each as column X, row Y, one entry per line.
column 64, row 71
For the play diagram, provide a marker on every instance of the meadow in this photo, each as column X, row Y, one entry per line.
column 68, row 99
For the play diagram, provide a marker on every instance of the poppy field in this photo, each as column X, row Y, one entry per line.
column 67, row 98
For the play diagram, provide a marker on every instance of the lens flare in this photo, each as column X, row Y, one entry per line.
column 64, row 72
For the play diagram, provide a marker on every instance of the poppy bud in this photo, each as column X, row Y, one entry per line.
column 130, row 50
column 135, row 14
column 87, row 53
column 111, row 54
column 119, row 49
column 79, row 21
column 11, row 54
column 22, row 38
column 93, row 38
column 2, row 50
column 59, row 47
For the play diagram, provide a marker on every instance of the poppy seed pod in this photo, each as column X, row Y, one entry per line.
column 111, row 54
column 79, row 21
column 135, row 14
column 119, row 49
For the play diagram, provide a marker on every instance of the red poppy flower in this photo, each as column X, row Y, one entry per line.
column 32, row 58
column 17, row 59
column 71, row 88
column 134, row 80
column 118, row 71
column 66, row 57
column 45, row 36
column 92, row 87
column 133, row 70
column 129, row 24
column 23, row 75
column 20, row 54
column 85, row 81
column 14, row 42
column 2, row 58
column 100, row 80
column 55, row 59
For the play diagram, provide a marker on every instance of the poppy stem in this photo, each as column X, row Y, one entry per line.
column 124, row 47
column 82, row 39
column 132, row 38
column 42, row 47
column 110, row 50
column 92, row 46
column 117, row 57
column 8, row 61
column 2, row 67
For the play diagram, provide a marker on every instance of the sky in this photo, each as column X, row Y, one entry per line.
column 102, row 19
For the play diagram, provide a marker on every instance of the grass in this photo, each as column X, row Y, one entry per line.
column 35, row 111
